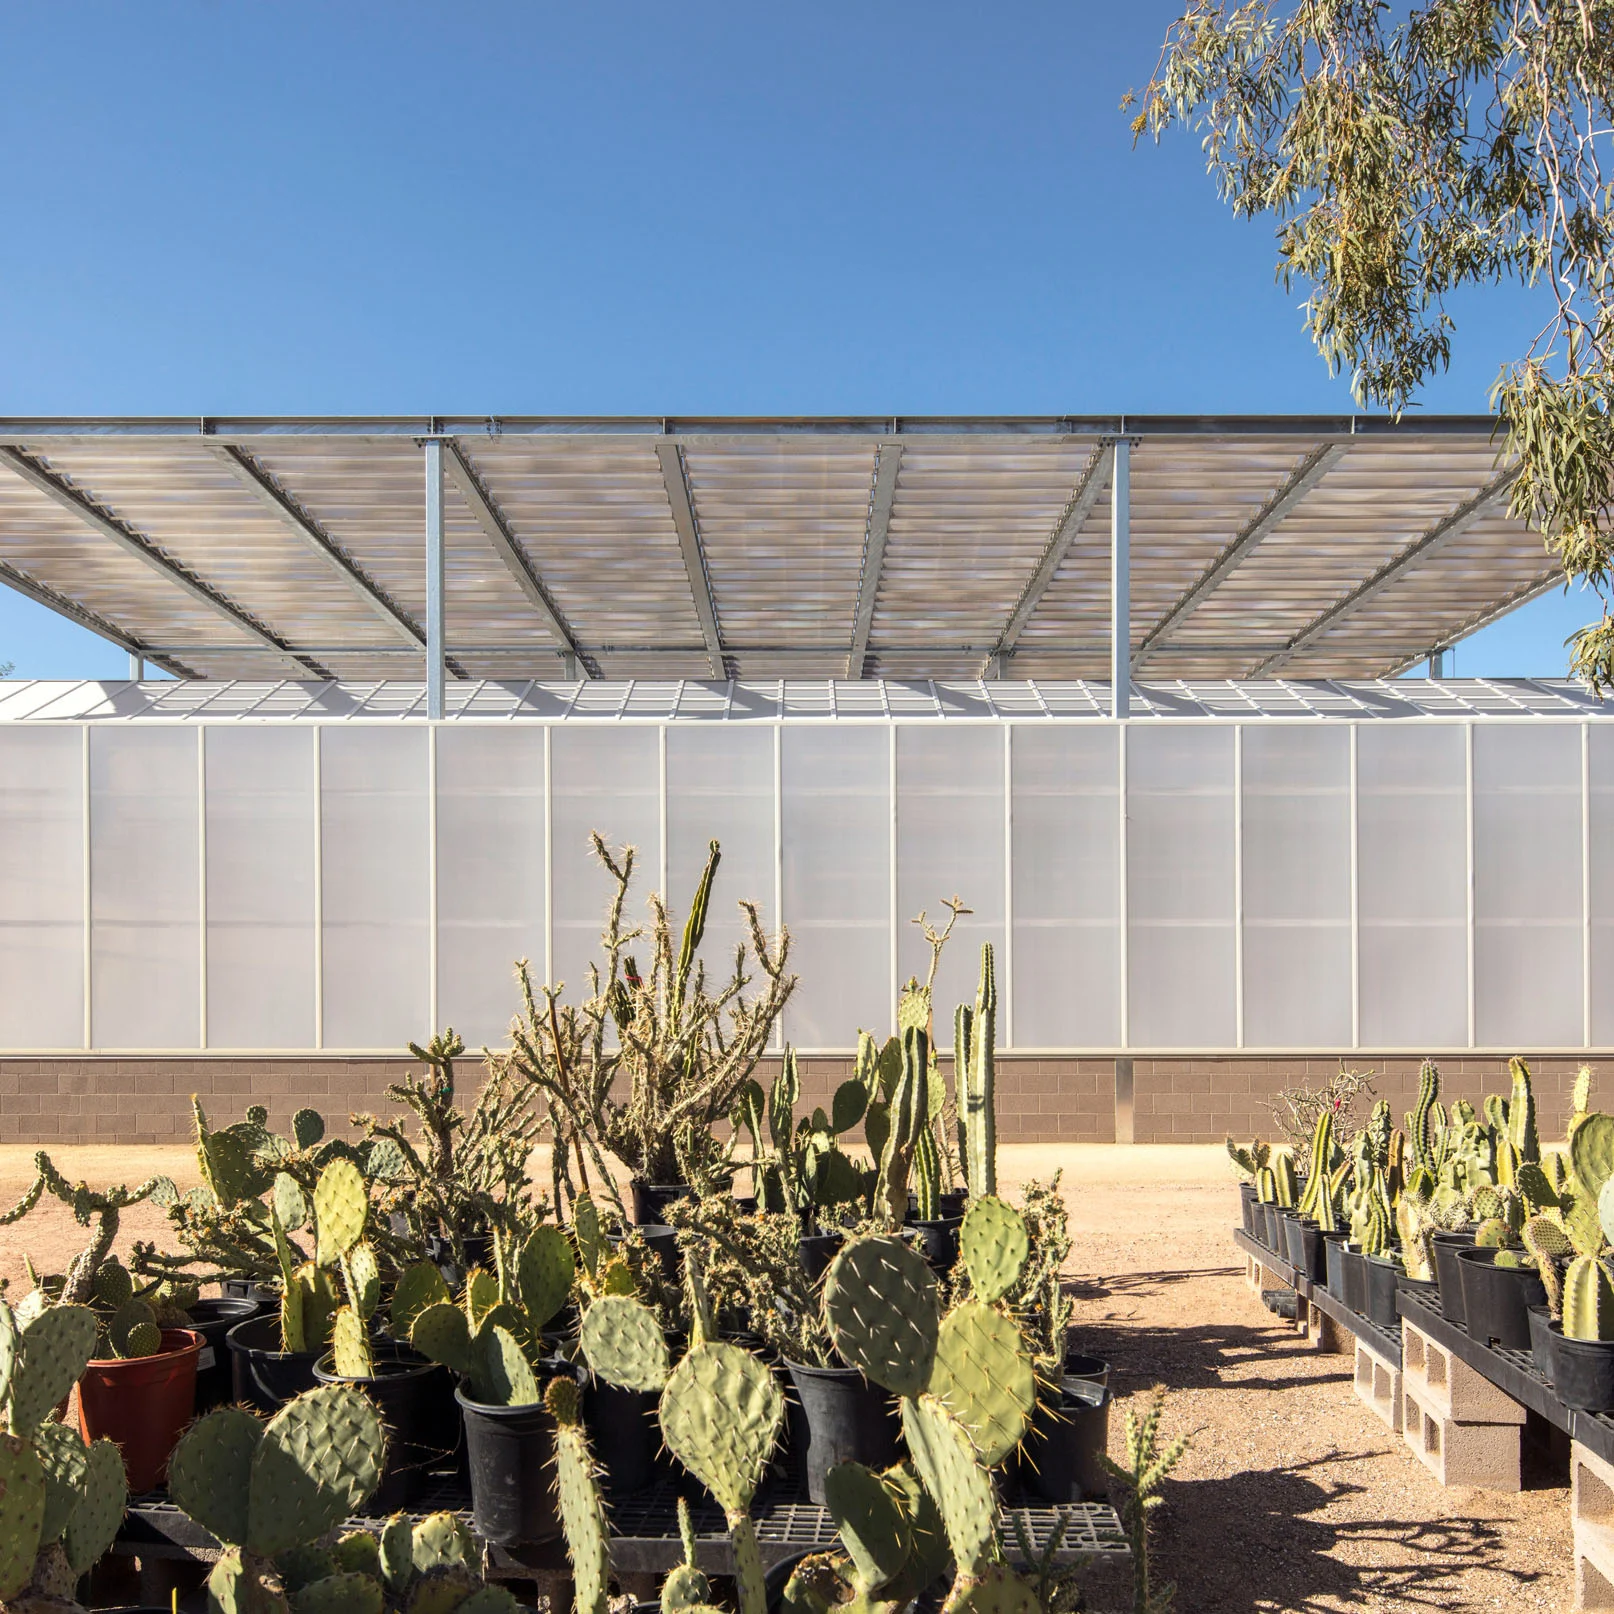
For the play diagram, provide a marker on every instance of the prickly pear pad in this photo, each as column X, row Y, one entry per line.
column 441, row 1590
column 55, row 1346
column 344, row 1593
column 340, row 1207
column 720, row 1416
column 210, row 1471
column 872, row 1527
column 96, row 1520
column 995, row 1590
column 10, row 1351
column 623, row 1343
column 993, row 1245
column 319, row 1458
column 545, row 1269
column 442, row 1333
column 505, row 1376
column 440, row 1539
column 983, row 1376
column 22, row 1511
column 66, row 1461
column 881, row 1308
column 960, row 1487
column 490, row 1600
column 419, row 1286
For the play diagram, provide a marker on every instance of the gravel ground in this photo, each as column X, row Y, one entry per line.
column 1292, row 1496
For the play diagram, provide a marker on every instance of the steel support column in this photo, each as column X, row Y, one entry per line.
column 434, row 578
column 1121, row 580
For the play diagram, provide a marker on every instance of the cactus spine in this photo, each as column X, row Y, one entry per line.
column 976, row 1059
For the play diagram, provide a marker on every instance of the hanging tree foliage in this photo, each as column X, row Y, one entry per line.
column 1409, row 151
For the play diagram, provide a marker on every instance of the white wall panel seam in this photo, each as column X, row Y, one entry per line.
column 1356, row 906
column 549, row 855
column 431, row 879
column 778, row 858
column 1238, row 885
column 319, row 892
column 892, row 919
column 89, row 950
column 1006, row 995
column 661, row 799
column 201, row 882
column 1124, row 914
column 1468, row 797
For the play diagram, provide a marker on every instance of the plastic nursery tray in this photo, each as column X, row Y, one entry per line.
column 644, row 1529
column 1387, row 1345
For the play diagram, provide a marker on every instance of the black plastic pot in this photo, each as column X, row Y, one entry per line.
column 1381, row 1272
column 478, row 1253
column 1067, row 1440
column 1247, row 1204
column 817, row 1250
column 1268, row 1225
column 1355, row 1278
column 1582, row 1371
column 846, row 1418
column 1334, row 1263
column 950, row 1204
column 213, row 1319
column 261, row 1374
column 1497, row 1300
column 1448, row 1275
column 416, row 1402
column 663, row 1244
column 1541, row 1340
column 249, row 1289
column 511, row 1457
column 622, row 1426
column 1092, row 1369
column 650, row 1200
column 938, row 1242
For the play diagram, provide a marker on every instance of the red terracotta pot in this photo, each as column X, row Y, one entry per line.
column 142, row 1403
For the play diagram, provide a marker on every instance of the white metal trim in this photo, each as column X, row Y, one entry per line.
column 432, row 954
column 201, row 881
column 549, row 858
column 778, row 857
column 1006, row 996
column 1468, row 736
column 892, row 920
column 89, row 920
column 661, row 808
column 319, row 890
column 1586, row 883
column 1356, row 899
column 1238, row 885
column 1123, row 910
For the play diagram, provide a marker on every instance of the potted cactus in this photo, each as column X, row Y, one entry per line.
column 63, row 1498
column 1581, row 1340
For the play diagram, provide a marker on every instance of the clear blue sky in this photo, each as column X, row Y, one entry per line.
column 518, row 208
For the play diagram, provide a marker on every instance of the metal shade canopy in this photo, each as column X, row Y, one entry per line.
column 902, row 549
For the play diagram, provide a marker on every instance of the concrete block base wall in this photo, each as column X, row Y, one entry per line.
column 110, row 1099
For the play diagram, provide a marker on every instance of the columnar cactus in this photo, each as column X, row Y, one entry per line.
column 975, row 1078
column 1522, row 1132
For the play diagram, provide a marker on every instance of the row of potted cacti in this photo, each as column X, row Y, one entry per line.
column 1466, row 1208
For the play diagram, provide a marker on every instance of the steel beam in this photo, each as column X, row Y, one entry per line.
column 1445, row 531
column 1278, row 508
column 689, row 543
column 1077, row 509
column 279, row 502
column 887, row 462
column 435, row 580
column 31, row 589
column 476, row 496
column 1121, row 580
column 1542, row 584
column 108, row 526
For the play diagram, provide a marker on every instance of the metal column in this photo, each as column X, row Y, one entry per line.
column 1437, row 663
column 1121, row 580
column 137, row 667
column 434, row 579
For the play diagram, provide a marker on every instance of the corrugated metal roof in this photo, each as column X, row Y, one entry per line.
column 786, row 515
column 812, row 700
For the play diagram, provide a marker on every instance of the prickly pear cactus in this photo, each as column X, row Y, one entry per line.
column 624, row 1344
column 961, row 1488
column 993, row 1245
column 545, row 1268
column 983, row 1377
column 720, row 1415
column 685, row 1587
column 883, row 1312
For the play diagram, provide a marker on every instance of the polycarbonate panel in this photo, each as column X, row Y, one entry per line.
column 605, row 779
column 376, row 869
column 490, row 876
column 145, row 918
column 1600, row 826
column 41, row 887
column 1065, row 822
column 950, row 835
column 260, row 887
column 1297, row 886
column 1528, row 931
column 1180, row 887
column 1412, row 885
column 720, row 788
column 835, row 841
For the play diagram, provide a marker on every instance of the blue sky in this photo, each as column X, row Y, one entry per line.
column 230, row 207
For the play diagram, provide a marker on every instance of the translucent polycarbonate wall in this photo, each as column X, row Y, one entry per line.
column 1195, row 885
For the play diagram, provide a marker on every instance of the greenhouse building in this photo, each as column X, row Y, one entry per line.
column 1129, row 687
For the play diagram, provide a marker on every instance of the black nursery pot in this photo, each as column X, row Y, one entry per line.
column 1269, row 1226
column 261, row 1374
column 213, row 1319
column 817, row 1250
column 511, row 1453
column 622, row 1425
column 663, row 1244
column 1294, row 1241
column 1247, row 1204
column 651, row 1199
column 1582, row 1371
column 1334, row 1263
column 1381, row 1273
column 938, row 1242
column 1063, row 1455
column 478, row 1253
column 950, row 1204
column 847, row 1418
column 1091, row 1369
column 412, row 1395
column 1448, row 1274
column 1541, row 1340
column 1355, row 1278
column 1312, row 1263
column 249, row 1289
column 1497, row 1300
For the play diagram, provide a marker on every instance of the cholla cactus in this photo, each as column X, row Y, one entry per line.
column 492, row 1337
column 581, row 1511
column 61, row 1502
column 1144, row 1473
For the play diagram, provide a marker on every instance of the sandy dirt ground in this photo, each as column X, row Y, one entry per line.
column 1292, row 1496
